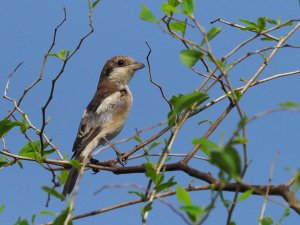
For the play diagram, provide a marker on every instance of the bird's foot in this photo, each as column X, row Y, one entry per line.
column 121, row 160
column 96, row 162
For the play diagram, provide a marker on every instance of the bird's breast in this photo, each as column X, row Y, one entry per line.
column 113, row 111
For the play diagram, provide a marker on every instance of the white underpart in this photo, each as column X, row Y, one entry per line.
column 103, row 116
column 108, row 102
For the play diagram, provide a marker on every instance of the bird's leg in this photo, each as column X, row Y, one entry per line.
column 119, row 154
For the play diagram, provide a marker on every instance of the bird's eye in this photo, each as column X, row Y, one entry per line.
column 120, row 62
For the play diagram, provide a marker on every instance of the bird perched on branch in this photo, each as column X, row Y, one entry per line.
column 105, row 115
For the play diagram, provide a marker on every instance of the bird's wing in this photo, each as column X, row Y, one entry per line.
column 87, row 131
column 92, row 121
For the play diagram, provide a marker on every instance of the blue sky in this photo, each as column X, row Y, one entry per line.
column 27, row 29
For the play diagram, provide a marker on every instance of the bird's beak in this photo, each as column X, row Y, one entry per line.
column 137, row 66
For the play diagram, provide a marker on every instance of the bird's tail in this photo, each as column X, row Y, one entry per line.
column 70, row 183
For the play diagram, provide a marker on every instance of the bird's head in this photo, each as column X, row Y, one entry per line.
column 120, row 69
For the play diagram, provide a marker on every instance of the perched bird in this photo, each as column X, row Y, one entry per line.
column 105, row 115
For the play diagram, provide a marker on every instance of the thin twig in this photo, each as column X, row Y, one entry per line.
column 264, row 33
column 263, row 66
column 138, row 132
column 264, row 206
column 170, row 154
column 50, row 97
column 173, row 208
column 40, row 77
column 151, row 78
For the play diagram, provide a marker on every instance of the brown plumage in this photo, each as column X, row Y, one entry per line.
column 105, row 115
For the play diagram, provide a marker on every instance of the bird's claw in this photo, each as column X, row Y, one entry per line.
column 122, row 161
column 96, row 162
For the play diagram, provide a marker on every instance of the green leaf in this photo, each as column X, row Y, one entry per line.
column 187, row 7
column 173, row 3
column 183, row 102
column 61, row 55
column 266, row 39
column 238, row 94
column 242, row 123
column 243, row 79
column 205, row 121
column 261, row 24
column 95, row 3
column 33, row 218
column 140, row 194
column 151, row 173
column 54, row 193
column 245, row 195
column 227, row 160
column 289, row 104
column 286, row 213
column 75, row 163
column 20, row 164
column 1, row 208
column 214, row 31
column 24, row 125
column 271, row 21
column 150, row 170
column 62, row 218
column 147, row 207
column 278, row 20
column 147, row 15
column 183, row 196
column 249, row 23
column 31, row 150
column 193, row 211
column 297, row 182
column 178, row 26
column 49, row 152
column 21, row 222
column 168, row 9
column 138, row 138
column 189, row 57
column 166, row 185
column 267, row 221
column 249, row 28
column 63, row 176
column 154, row 144
column 207, row 146
column 3, row 161
column 220, row 63
column 6, row 125
column 48, row 213
column 239, row 140
column 289, row 24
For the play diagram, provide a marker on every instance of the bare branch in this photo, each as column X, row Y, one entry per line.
column 138, row 132
column 151, row 79
column 264, row 206
column 68, row 57
column 173, row 208
column 263, row 66
column 43, row 64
